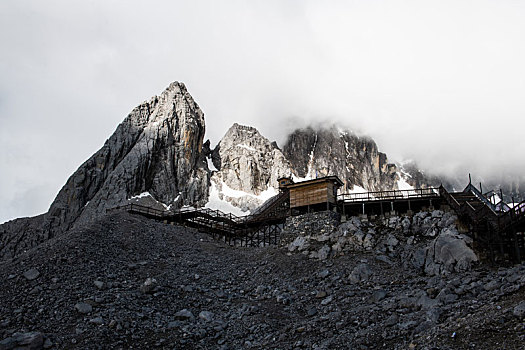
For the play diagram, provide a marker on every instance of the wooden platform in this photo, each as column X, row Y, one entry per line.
column 391, row 202
column 501, row 233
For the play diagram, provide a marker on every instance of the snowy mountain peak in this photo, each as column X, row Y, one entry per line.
column 249, row 164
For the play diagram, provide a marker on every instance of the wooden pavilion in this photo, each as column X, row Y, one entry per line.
column 317, row 194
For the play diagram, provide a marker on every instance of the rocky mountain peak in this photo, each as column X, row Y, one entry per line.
column 157, row 157
column 155, row 153
column 323, row 151
column 249, row 164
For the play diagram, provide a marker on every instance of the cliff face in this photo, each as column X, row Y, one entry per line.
column 329, row 151
column 248, row 163
column 157, row 149
column 157, row 156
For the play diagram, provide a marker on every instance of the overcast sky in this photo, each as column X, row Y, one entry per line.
column 441, row 82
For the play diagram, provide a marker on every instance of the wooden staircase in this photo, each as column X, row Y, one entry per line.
column 263, row 227
column 498, row 232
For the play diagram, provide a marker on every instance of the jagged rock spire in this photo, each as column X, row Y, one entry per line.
column 156, row 149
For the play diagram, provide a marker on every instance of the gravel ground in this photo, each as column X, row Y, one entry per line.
column 129, row 282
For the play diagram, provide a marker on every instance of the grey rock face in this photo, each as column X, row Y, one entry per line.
column 247, row 162
column 416, row 178
column 449, row 252
column 356, row 160
column 156, row 149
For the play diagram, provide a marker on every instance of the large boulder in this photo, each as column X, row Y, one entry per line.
column 449, row 252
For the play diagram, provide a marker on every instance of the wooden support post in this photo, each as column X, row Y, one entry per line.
column 490, row 242
column 516, row 245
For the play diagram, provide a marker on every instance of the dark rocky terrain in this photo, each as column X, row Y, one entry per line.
column 129, row 282
column 77, row 277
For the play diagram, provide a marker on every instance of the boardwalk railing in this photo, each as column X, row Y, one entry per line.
column 268, row 203
column 495, row 229
column 389, row 195
column 263, row 227
column 140, row 209
column 471, row 188
column 502, row 228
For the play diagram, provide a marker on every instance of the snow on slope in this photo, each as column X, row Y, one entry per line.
column 357, row 189
column 217, row 203
column 211, row 166
column 402, row 184
column 147, row 199
column 217, row 199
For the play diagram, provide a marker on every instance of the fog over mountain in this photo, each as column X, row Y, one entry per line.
column 439, row 83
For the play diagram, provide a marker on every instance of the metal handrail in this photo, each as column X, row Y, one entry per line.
column 268, row 203
column 480, row 196
column 392, row 194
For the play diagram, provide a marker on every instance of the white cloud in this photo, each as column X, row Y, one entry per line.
column 440, row 82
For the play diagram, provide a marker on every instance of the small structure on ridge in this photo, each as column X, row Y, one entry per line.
column 316, row 194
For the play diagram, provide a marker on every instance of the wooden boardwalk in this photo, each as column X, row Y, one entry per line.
column 383, row 202
column 262, row 227
column 500, row 232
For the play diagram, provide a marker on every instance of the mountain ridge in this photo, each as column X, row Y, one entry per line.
column 158, row 155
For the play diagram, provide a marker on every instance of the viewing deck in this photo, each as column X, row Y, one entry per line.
column 394, row 201
column 494, row 227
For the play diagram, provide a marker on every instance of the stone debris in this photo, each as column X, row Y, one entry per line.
column 265, row 298
column 23, row 341
column 206, row 316
column 31, row 274
column 519, row 310
column 149, row 286
column 83, row 308
column 98, row 284
column 184, row 315
column 428, row 241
